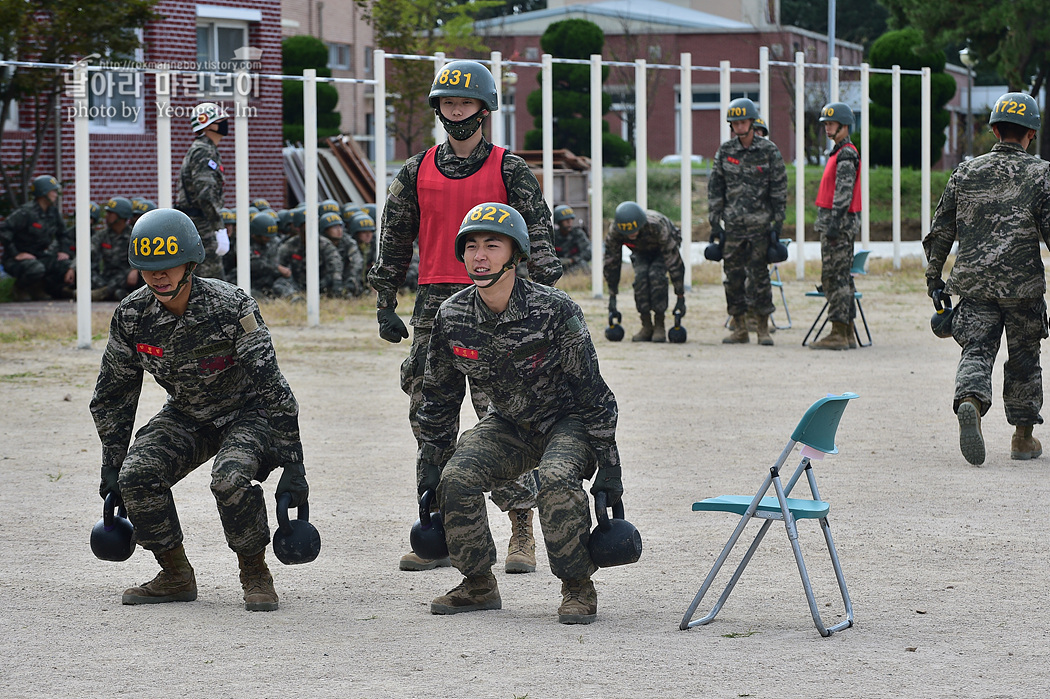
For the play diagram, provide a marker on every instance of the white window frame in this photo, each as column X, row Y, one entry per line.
column 347, row 51
column 226, row 89
column 102, row 84
column 368, row 60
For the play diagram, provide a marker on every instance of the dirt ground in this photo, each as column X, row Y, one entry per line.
column 946, row 563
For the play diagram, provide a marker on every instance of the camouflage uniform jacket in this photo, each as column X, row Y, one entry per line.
column 998, row 206
column 214, row 360
column 847, row 170
column 574, row 245
column 292, row 254
column 109, row 253
column 658, row 236
column 31, row 229
column 263, row 263
column 353, row 263
column 535, row 361
column 747, row 189
column 201, row 182
column 401, row 215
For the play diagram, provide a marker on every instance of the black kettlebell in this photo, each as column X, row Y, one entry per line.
column 614, row 333
column 941, row 322
column 428, row 533
column 615, row 541
column 113, row 536
column 296, row 540
column 677, row 333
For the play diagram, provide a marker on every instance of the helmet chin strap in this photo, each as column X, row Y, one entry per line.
column 178, row 287
column 494, row 276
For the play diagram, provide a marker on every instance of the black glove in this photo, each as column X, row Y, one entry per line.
column 612, row 303
column 679, row 308
column 933, row 285
column 431, row 476
column 110, row 484
column 775, row 233
column 391, row 328
column 293, row 482
column 718, row 235
column 607, row 480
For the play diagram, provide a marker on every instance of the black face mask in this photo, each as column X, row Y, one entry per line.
column 223, row 127
column 464, row 129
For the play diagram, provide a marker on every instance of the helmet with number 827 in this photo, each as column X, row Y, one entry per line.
column 465, row 79
column 164, row 238
column 494, row 217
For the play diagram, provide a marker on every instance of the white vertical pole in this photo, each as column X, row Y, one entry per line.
column 834, row 82
column 82, row 160
column 896, row 146
column 547, row 71
column 763, row 82
column 379, row 121
column 725, row 80
column 597, row 229
column 163, row 89
column 439, row 130
column 865, row 157
column 496, row 120
column 641, row 138
column 240, row 136
column 800, row 165
column 313, row 291
column 685, row 120
column 927, row 143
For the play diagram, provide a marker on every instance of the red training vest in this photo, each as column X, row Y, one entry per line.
column 826, row 193
column 443, row 202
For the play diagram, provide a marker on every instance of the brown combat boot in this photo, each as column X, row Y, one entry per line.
column 259, row 595
column 971, row 441
column 579, row 602
column 646, row 333
column 852, row 335
column 762, row 328
column 739, row 334
column 659, row 332
column 752, row 322
column 837, row 339
column 476, row 593
column 174, row 583
column 521, row 552
column 1023, row 445
column 410, row 561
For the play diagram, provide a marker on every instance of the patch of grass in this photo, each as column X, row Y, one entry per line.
column 52, row 477
column 286, row 312
column 740, row 634
column 61, row 327
column 7, row 289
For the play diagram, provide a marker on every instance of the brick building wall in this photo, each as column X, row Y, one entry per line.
column 125, row 164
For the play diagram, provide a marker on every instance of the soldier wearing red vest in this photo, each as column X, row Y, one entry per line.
column 426, row 203
column 838, row 221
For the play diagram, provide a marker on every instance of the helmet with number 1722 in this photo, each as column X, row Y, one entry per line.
column 1016, row 108
column 164, row 238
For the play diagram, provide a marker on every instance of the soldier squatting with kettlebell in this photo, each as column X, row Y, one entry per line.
column 206, row 344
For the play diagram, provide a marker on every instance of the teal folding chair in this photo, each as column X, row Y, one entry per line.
column 816, row 433
column 860, row 259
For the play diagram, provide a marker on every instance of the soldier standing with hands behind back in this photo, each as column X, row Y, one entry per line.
column 998, row 207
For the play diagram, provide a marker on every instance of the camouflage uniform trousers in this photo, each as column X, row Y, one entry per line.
column 171, row 446
column 45, row 268
column 517, row 494
column 650, row 282
column 496, row 452
column 836, row 260
column 977, row 326
column 747, row 284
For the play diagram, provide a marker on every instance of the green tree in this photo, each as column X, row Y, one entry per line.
column 859, row 22
column 905, row 48
column 571, row 100
column 55, row 31
column 1013, row 36
column 421, row 28
column 297, row 54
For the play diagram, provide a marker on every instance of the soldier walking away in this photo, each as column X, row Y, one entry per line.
column 571, row 242
column 838, row 222
column 201, row 182
column 528, row 348
column 997, row 206
column 747, row 199
column 37, row 247
column 654, row 243
column 206, row 344
column 426, row 202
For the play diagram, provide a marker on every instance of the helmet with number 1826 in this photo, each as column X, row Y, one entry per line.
column 164, row 238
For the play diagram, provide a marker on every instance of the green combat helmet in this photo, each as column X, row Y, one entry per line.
column 630, row 217
column 563, row 213
column 229, row 217
column 95, row 211
column 361, row 222
column 493, row 217
column 329, row 220
column 465, row 79
column 1016, row 108
column 122, row 207
column 839, row 112
column 260, row 204
column 42, row 186
column 164, row 238
column 761, row 128
column 741, row 108
column 263, row 225
column 328, row 206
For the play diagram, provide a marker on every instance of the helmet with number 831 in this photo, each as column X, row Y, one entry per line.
column 164, row 238
column 494, row 217
column 465, row 79
column 1016, row 108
